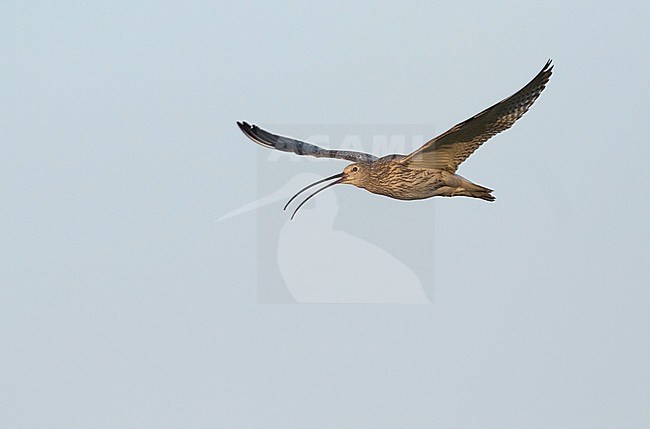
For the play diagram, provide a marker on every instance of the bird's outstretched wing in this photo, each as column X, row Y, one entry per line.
column 451, row 148
column 287, row 144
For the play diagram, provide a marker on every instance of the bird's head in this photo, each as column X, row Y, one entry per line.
column 355, row 174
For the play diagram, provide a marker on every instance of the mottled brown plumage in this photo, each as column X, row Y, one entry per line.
column 392, row 177
column 428, row 171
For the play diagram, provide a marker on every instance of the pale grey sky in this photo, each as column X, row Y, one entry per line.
column 124, row 304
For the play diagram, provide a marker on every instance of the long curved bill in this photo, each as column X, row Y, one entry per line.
column 336, row 176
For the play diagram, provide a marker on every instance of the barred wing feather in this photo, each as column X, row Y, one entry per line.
column 451, row 148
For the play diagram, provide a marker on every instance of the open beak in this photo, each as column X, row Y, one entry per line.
column 340, row 178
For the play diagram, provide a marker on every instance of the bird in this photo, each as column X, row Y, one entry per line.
column 427, row 172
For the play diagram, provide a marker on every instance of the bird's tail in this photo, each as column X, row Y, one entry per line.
column 487, row 196
column 473, row 190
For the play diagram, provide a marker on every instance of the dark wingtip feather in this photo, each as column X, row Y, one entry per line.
column 242, row 126
column 252, row 132
column 246, row 129
column 547, row 71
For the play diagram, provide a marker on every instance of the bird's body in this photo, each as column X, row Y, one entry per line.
column 428, row 171
column 393, row 178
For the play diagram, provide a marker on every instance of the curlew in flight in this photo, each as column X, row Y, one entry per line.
column 428, row 171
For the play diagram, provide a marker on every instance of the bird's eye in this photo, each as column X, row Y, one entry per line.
column 355, row 169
